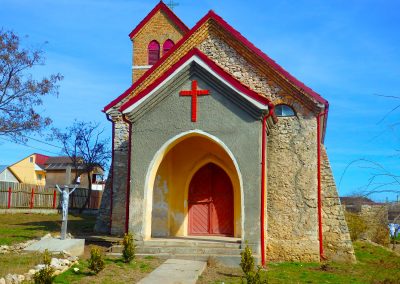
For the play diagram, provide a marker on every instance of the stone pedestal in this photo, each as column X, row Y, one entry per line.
column 72, row 246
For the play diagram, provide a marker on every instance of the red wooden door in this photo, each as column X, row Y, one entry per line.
column 210, row 202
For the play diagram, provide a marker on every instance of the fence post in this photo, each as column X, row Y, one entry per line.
column 54, row 199
column 32, row 197
column 9, row 197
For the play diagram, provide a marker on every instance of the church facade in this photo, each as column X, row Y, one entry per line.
column 213, row 138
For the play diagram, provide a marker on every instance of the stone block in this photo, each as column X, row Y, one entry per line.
column 72, row 246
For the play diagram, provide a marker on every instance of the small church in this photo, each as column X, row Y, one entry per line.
column 215, row 141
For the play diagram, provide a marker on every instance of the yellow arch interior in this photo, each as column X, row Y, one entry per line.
column 177, row 165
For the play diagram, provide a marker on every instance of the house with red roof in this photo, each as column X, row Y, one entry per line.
column 215, row 142
column 30, row 170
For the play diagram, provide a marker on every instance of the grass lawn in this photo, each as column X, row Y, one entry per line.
column 18, row 263
column 375, row 265
column 16, row 228
column 115, row 271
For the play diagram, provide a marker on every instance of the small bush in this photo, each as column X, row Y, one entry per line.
column 44, row 275
column 128, row 252
column 251, row 275
column 356, row 225
column 247, row 260
column 381, row 235
column 96, row 261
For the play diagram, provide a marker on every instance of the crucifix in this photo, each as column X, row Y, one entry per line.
column 194, row 92
column 65, row 193
column 172, row 4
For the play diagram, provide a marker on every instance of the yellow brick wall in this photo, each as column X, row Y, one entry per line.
column 159, row 28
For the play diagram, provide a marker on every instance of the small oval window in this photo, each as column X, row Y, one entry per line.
column 284, row 110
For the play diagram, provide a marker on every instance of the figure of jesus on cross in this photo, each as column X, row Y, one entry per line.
column 65, row 193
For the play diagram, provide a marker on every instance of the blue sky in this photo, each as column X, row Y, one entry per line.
column 347, row 51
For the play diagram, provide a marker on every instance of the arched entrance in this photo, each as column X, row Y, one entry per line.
column 168, row 181
column 210, row 202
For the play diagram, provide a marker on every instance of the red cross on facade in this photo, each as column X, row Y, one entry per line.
column 194, row 92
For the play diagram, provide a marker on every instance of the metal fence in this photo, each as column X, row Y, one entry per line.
column 17, row 195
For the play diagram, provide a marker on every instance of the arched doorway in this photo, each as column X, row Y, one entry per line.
column 168, row 180
column 211, row 202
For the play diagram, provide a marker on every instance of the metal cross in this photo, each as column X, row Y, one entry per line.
column 172, row 4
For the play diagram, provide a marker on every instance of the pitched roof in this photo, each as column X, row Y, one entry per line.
column 41, row 159
column 160, row 7
column 59, row 160
column 59, row 163
column 211, row 15
column 199, row 57
column 3, row 167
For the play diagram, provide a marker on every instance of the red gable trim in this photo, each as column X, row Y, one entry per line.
column 155, row 66
column 211, row 15
column 160, row 6
column 217, row 69
column 270, row 61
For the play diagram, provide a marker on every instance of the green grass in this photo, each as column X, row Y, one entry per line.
column 18, row 263
column 16, row 228
column 115, row 271
column 374, row 265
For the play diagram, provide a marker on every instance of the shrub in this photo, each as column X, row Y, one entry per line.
column 381, row 235
column 247, row 260
column 96, row 261
column 44, row 275
column 251, row 275
column 356, row 225
column 128, row 252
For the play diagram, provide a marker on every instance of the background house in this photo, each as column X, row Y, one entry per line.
column 30, row 170
column 6, row 175
column 61, row 170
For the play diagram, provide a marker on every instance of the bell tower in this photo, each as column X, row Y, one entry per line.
column 155, row 35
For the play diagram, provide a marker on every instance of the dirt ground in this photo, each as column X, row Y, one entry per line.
column 214, row 272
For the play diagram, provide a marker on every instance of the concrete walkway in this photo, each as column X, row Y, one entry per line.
column 176, row 271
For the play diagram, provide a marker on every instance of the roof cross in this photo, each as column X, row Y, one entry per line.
column 194, row 92
column 171, row 4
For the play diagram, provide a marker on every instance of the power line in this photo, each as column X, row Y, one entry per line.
column 43, row 142
column 26, row 145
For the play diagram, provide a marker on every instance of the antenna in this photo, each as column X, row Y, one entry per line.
column 171, row 4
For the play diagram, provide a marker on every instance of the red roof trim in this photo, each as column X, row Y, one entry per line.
column 160, row 6
column 226, row 76
column 270, row 61
column 220, row 21
column 155, row 66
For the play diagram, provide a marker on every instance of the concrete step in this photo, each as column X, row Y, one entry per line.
column 226, row 260
column 189, row 243
column 182, row 250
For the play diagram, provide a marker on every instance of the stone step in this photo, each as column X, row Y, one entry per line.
column 182, row 250
column 189, row 243
column 226, row 260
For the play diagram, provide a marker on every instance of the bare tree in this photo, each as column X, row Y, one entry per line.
column 20, row 94
column 381, row 179
column 83, row 143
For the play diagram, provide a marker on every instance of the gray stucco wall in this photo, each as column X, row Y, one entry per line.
column 218, row 116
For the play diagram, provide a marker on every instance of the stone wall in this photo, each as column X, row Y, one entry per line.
column 292, row 229
column 336, row 236
column 120, row 172
column 291, row 155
